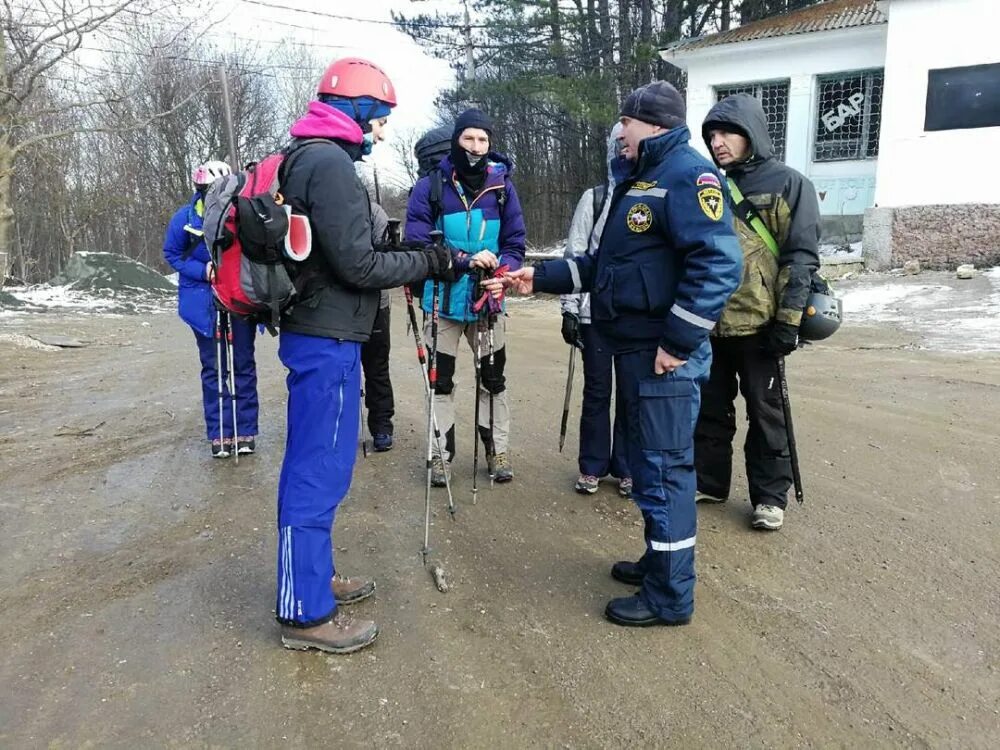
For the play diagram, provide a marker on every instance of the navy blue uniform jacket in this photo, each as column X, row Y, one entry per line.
column 668, row 259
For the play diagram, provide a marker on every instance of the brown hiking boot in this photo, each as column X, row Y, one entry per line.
column 500, row 468
column 341, row 635
column 351, row 590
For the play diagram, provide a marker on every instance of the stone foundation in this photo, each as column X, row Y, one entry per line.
column 940, row 237
column 841, row 230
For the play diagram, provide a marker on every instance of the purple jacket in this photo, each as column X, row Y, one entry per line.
column 491, row 221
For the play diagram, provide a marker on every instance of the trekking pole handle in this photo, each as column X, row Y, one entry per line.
column 394, row 233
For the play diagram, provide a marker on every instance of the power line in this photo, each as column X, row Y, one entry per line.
column 339, row 17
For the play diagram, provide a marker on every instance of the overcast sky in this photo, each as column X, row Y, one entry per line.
column 418, row 78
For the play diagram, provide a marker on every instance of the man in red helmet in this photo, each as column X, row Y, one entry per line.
column 320, row 345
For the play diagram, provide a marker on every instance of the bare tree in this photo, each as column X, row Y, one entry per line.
column 36, row 42
column 403, row 143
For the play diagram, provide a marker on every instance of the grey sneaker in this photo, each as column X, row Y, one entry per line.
column 500, row 467
column 704, row 497
column 439, row 467
column 351, row 590
column 767, row 517
column 341, row 635
column 586, row 484
column 625, row 486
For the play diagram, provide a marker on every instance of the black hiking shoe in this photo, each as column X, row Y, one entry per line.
column 632, row 612
column 627, row 572
column 247, row 445
column 220, row 449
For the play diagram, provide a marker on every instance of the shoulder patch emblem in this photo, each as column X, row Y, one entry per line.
column 710, row 200
column 643, row 185
column 639, row 217
column 707, row 178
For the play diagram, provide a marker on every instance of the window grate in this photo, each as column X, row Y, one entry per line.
column 773, row 96
column 849, row 116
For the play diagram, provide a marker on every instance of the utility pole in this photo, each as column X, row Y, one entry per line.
column 227, row 109
column 470, row 59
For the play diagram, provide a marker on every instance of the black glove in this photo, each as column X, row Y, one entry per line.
column 781, row 339
column 571, row 330
column 440, row 264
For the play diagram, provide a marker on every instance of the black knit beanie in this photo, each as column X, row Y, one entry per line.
column 473, row 176
column 657, row 103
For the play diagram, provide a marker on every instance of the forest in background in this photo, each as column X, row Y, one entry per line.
column 107, row 105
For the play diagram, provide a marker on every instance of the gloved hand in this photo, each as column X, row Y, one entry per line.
column 571, row 329
column 440, row 264
column 781, row 339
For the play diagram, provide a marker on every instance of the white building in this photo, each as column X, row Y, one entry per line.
column 890, row 107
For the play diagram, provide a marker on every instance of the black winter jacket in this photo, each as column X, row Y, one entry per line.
column 344, row 273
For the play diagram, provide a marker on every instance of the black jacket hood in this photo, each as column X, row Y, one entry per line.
column 744, row 112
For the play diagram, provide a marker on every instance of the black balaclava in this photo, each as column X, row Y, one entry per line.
column 472, row 176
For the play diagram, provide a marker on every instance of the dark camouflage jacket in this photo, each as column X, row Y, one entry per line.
column 772, row 288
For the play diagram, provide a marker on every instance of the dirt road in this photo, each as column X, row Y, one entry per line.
column 137, row 574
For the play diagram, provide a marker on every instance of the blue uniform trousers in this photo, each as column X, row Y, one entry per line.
column 324, row 401
column 602, row 448
column 661, row 412
column 245, row 374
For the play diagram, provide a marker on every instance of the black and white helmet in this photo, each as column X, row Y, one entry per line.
column 822, row 316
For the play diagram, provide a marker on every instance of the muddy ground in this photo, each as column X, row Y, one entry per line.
column 137, row 574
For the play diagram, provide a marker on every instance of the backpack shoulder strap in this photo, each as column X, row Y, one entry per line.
column 292, row 153
column 436, row 193
column 599, row 193
column 748, row 213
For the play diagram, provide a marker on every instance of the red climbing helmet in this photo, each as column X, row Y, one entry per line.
column 354, row 77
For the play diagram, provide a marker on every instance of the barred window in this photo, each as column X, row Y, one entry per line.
column 849, row 116
column 773, row 96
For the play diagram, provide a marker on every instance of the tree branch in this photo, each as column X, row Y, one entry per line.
column 137, row 125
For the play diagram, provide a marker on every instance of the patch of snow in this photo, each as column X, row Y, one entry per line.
column 949, row 315
column 26, row 342
column 46, row 296
column 174, row 278
column 881, row 303
column 852, row 253
column 551, row 251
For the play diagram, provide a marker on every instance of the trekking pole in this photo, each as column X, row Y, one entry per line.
column 422, row 359
column 361, row 425
column 569, row 391
column 432, row 381
column 218, row 373
column 476, row 435
column 492, row 448
column 232, row 385
column 786, row 407
column 475, row 418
